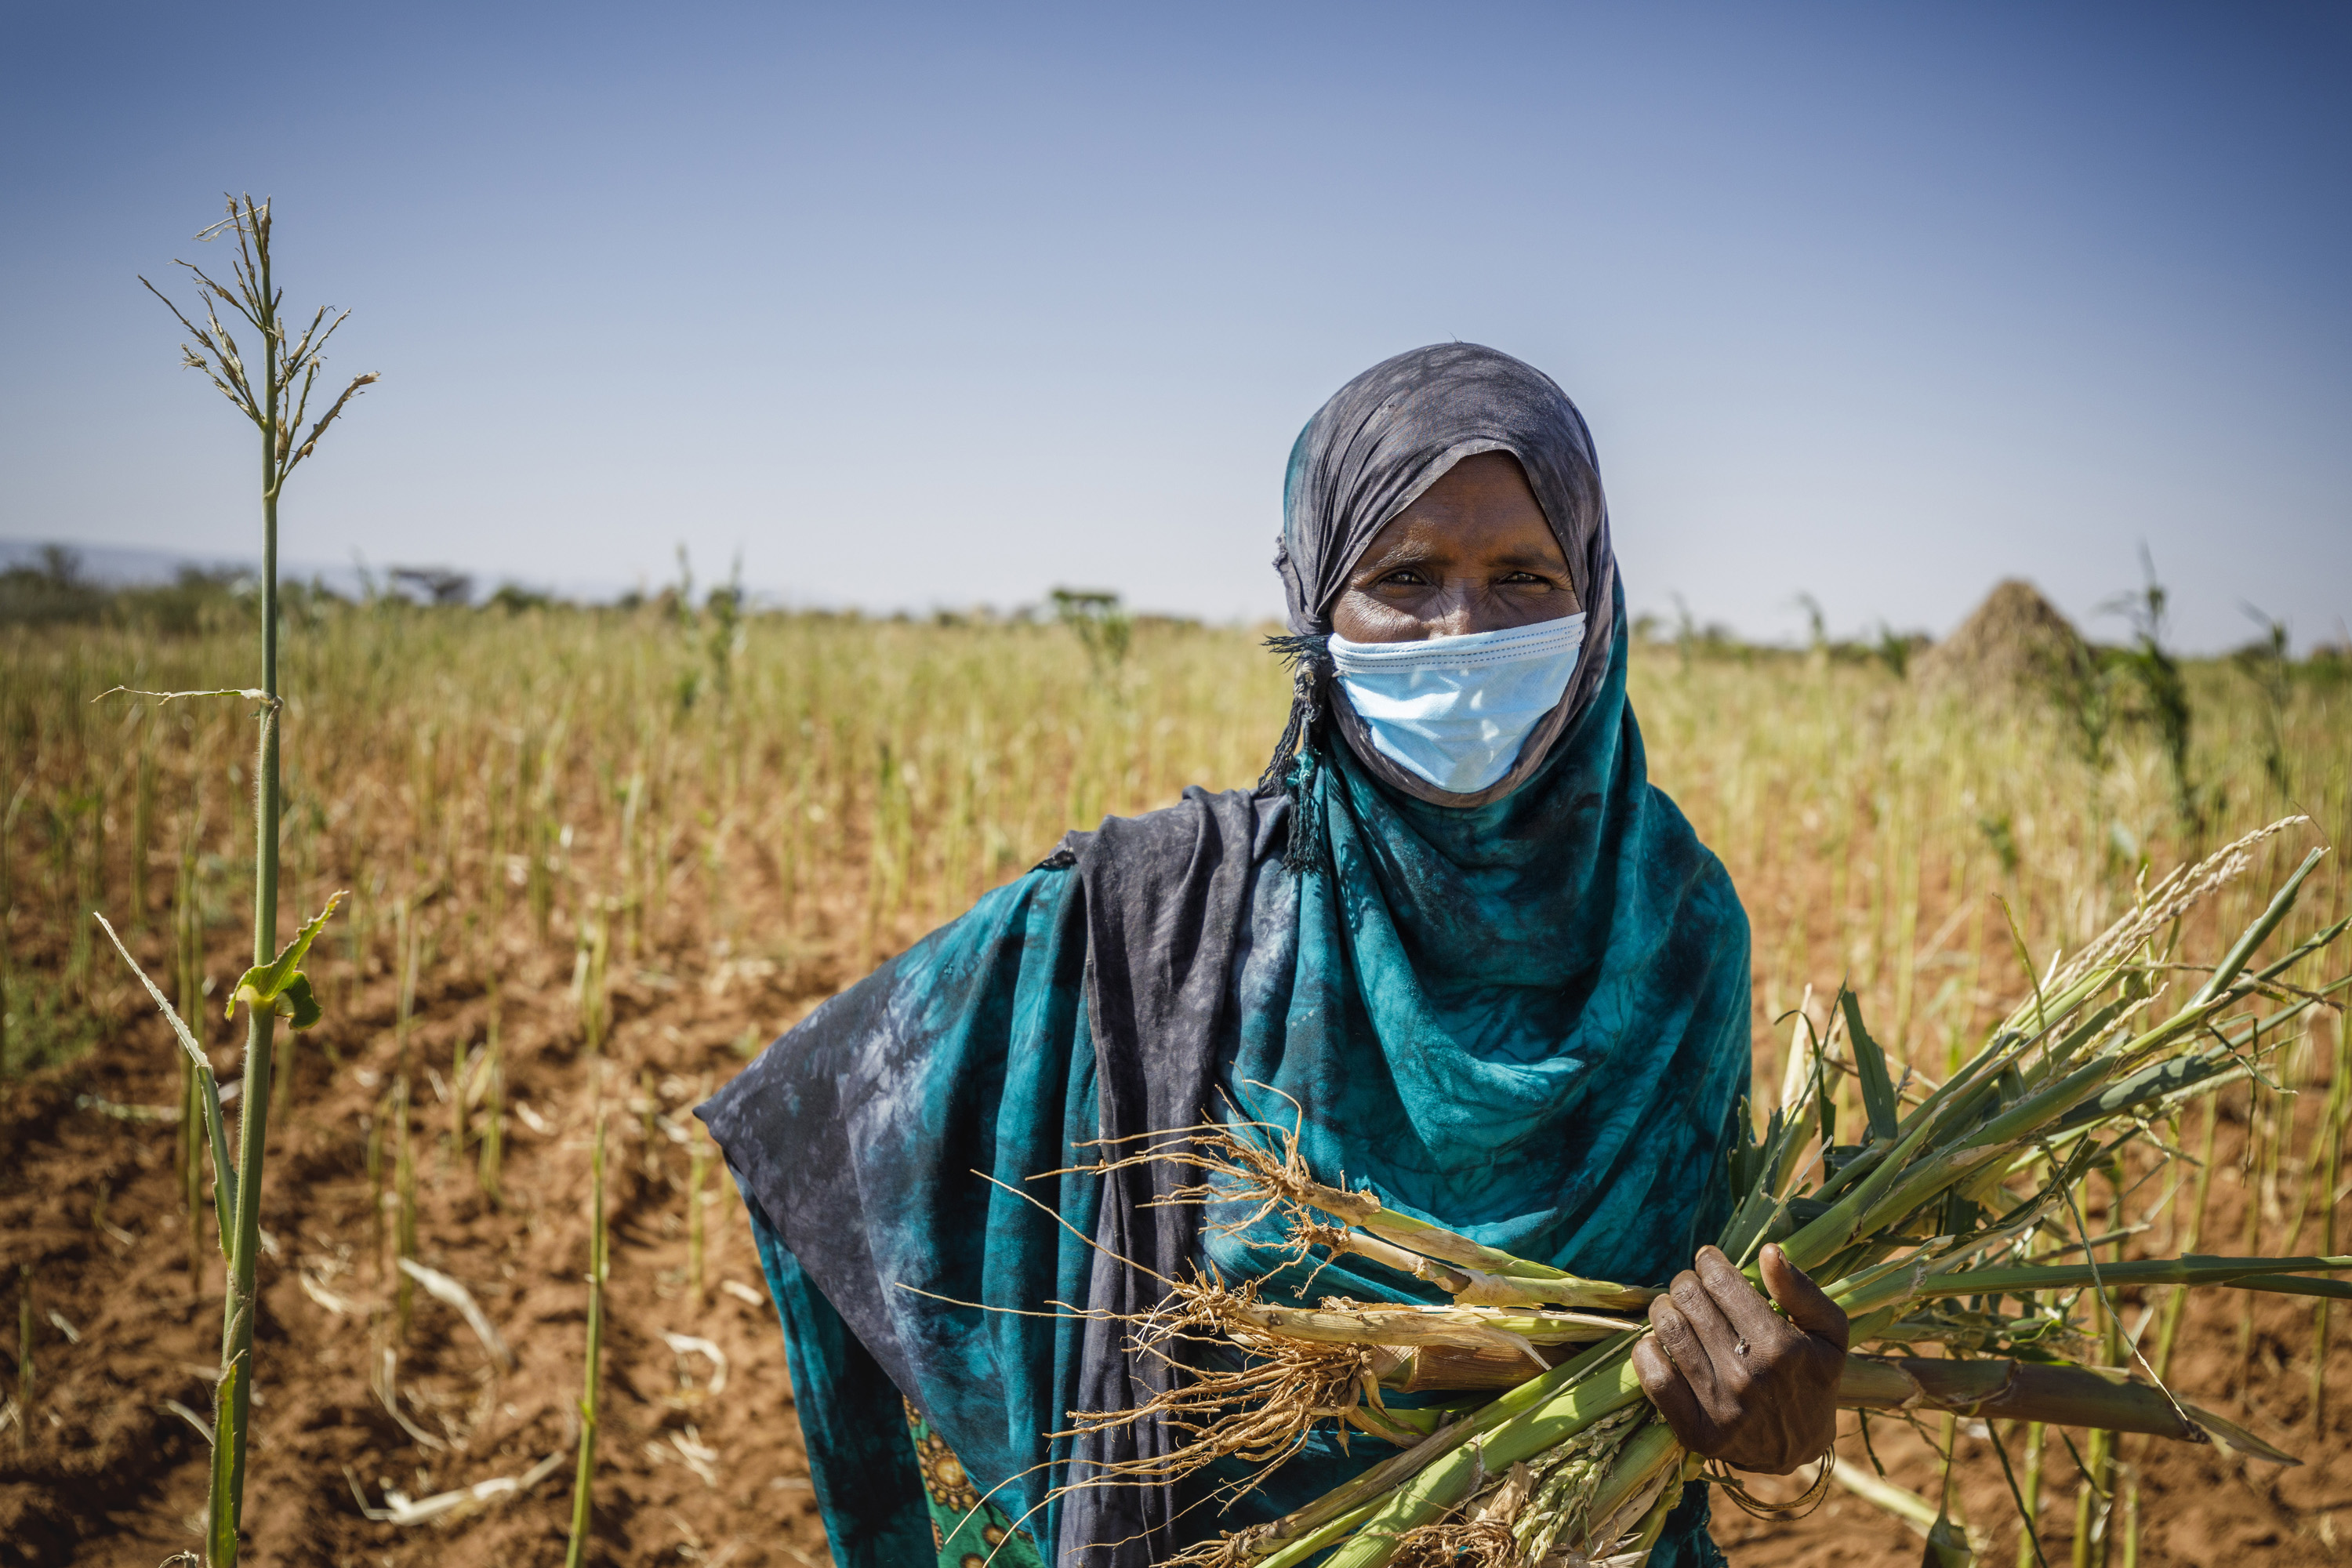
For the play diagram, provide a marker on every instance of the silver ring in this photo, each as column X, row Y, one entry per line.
column 1741, row 1347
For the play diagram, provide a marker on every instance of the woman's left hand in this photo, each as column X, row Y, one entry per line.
column 1736, row 1381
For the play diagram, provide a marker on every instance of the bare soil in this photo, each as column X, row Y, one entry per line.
column 687, row 1470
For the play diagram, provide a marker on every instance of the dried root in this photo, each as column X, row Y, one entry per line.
column 1234, row 1548
column 1260, row 1413
column 1301, row 1366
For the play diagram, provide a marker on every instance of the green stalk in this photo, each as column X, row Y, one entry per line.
column 192, row 1172
column 405, row 1006
column 187, row 979
column 2259, row 933
column 375, row 1183
column 697, row 1168
column 1947, row 1494
column 1372, row 1490
column 1558, row 1287
column 275, row 408
column 7, row 901
column 235, row 1401
column 1450, row 1478
column 142, row 825
column 1654, row 1524
column 2265, row 1113
column 404, row 1228
column 650, row 1103
column 576, row 1553
column 2093, row 1502
column 23, row 1353
column 2030, row 1494
column 1647, row 1452
column 1315, row 1540
column 2177, row 1308
column 458, row 1100
column 494, row 1104
column 2095, row 1506
column 2339, row 1092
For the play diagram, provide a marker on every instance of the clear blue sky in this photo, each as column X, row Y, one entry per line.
column 917, row 307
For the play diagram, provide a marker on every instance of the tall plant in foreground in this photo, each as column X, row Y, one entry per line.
column 269, row 378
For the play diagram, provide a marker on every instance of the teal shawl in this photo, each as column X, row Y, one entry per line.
column 1526, row 1019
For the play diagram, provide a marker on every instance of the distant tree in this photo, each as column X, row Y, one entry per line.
column 437, row 584
column 1102, row 625
column 51, row 589
column 514, row 598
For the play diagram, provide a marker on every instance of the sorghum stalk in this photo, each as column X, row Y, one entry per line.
column 584, row 1477
column 233, row 1403
column 2339, row 1096
column 2177, row 1307
column 275, row 406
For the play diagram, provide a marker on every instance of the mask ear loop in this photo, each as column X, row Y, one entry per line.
column 1294, row 764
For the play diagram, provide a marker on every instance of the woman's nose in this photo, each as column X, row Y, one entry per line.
column 1464, row 608
column 1455, row 616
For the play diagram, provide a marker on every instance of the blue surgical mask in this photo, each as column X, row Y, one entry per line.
column 1454, row 710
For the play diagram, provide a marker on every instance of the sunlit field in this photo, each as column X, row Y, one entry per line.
column 597, row 858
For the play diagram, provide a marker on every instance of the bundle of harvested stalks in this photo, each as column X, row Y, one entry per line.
column 1957, row 1197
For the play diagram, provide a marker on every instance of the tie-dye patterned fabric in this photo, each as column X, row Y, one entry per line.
column 1526, row 1018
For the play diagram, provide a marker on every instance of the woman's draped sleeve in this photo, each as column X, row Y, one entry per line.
column 886, row 1149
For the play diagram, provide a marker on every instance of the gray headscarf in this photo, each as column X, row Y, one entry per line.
column 1372, row 450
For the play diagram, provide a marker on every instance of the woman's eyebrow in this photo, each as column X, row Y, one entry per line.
column 1411, row 552
column 1424, row 553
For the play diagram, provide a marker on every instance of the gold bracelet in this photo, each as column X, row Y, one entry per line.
column 1755, row 1507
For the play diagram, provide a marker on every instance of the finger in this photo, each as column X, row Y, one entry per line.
column 1662, row 1382
column 1741, row 1302
column 1674, row 1334
column 1808, row 1306
column 1699, row 1309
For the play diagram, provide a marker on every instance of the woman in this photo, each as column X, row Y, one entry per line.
column 1456, row 937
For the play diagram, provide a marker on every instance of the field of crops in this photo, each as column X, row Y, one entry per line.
column 595, row 858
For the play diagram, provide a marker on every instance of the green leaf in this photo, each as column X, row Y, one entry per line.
column 215, row 1125
column 2027, row 1279
column 1948, row 1545
column 2259, row 933
column 1877, row 1088
column 297, row 1003
column 2175, row 1077
column 1747, row 1155
column 2295, row 1285
column 261, row 985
